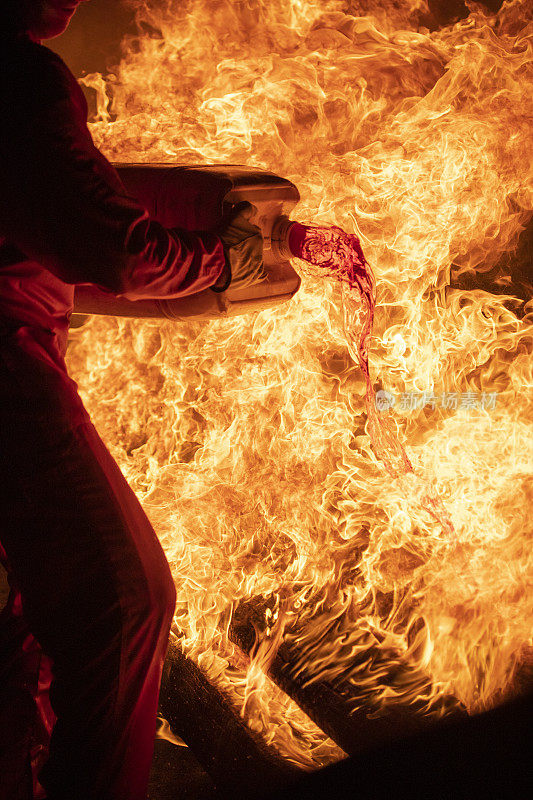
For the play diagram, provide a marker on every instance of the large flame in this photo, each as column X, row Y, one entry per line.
column 245, row 438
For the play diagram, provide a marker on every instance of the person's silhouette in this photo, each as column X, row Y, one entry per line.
column 92, row 597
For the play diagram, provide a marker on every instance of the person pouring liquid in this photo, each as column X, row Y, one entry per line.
column 84, row 633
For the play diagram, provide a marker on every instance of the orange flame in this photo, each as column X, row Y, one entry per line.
column 245, row 438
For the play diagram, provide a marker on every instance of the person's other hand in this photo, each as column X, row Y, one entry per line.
column 243, row 246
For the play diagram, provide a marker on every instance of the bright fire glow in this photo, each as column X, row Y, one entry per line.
column 247, row 439
column 341, row 256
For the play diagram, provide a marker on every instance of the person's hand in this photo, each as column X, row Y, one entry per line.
column 243, row 247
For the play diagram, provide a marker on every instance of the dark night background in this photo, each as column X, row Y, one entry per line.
column 92, row 42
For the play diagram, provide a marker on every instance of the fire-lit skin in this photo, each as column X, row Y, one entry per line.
column 46, row 19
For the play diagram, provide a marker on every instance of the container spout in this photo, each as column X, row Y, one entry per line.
column 287, row 238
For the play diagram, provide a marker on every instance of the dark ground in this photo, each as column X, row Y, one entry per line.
column 177, row 775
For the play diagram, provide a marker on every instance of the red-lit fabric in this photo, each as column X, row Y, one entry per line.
column 92, row 593
column 65, row 217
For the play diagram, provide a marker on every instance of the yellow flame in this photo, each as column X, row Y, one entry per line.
column 245, row 438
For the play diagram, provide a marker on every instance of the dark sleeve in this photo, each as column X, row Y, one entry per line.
column 63, row 204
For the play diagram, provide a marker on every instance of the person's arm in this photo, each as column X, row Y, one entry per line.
column 63, row 205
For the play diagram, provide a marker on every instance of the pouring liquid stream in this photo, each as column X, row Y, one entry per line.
column 340, row 256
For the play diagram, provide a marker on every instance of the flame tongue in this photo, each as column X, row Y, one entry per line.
column 340, row 255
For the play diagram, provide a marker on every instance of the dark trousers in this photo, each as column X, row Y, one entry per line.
column 84, row 634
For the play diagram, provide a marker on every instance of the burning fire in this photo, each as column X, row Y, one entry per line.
column 247, row 439
column 341, row 255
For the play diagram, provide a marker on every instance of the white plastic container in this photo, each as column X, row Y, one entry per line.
column 197, row 198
